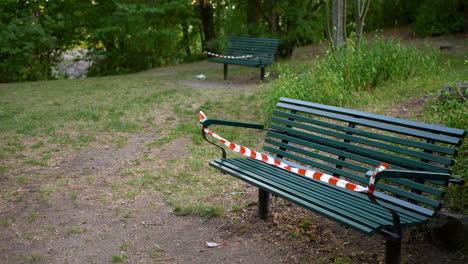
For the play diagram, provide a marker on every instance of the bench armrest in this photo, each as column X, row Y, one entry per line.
column 408, row 174
column 207, row 122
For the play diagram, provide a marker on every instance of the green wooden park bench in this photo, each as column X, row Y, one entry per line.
column 262, row 49
column 347, row 144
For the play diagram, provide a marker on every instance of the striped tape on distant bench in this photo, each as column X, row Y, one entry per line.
column 230, row 57
column 307, row 173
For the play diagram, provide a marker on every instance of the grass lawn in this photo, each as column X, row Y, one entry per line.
column 147, row 124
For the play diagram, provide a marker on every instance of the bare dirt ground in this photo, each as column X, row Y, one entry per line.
column 90, row 229
column 99, row 226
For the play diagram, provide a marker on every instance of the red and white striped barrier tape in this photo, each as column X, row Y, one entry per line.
column 307, row 173
column 377, row 170
column 230, row 57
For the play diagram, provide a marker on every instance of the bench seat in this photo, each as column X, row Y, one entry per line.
column 243, row 62
column 349, row 208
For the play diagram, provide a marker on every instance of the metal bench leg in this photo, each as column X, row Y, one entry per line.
column 392, row 236
column 263, row 204
column 225, row 71
column 393, row 249
column 262, row 74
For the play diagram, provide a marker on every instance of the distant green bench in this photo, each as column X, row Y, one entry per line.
column 347, row 143
column 263, row 49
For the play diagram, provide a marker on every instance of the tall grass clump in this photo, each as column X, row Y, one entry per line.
column 351, row 69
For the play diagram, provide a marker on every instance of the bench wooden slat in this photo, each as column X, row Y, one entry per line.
column 407, row 205
column 316, row 164
column 327, row 149
column 315, row 155
column 264, row 60
column 267, row 40
column 459, row 133
column 377, row 136
column 248, row 45
column 250, row 63
column 257, row 51
column 255, row 39
column 242, row 44
column 375, row 124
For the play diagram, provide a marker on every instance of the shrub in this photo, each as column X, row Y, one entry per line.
column 26, row 52
column 32, row 36
column 349, row 70
column 128, row 37
column 450, row 110
column 435, row 17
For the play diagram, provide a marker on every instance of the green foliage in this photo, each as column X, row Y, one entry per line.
column 298, row 23
column 303, row 24
column 32, row 36
column 123, row 36
column 204, row 211
column 349, row 70
column 128, row 37
column 436, row 17
column 119, row 258
column 450, row 110
column 390, row 13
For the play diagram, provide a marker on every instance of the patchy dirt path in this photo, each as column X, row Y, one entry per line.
column 98, row 227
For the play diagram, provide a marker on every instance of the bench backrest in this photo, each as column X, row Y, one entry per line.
column 348, row 143
column 265, row 49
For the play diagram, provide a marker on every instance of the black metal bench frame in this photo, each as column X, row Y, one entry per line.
column 347, row 143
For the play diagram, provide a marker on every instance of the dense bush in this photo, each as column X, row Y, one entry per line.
column 133, row 37
column 32, row 36
column 449, row 109
column 349, row 70
column 435, row 17
column 26, row 51
column 389, row 13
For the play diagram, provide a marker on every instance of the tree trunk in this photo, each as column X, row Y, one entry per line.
column 339, row 22
column 327, row 22
column 206, row 15
column 361, row 8
column 273, row 17
column 186, row 39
